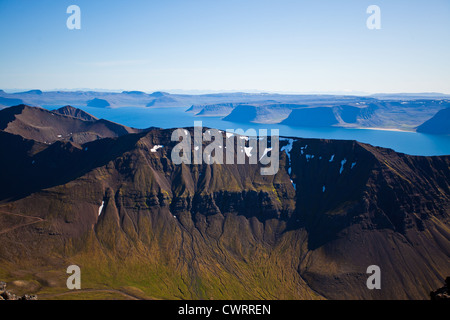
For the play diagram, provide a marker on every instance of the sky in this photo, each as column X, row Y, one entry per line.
column 226, row 45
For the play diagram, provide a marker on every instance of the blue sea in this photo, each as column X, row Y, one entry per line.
column 412, row 143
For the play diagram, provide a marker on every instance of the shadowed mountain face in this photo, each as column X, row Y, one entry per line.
column 121, row 210
column 439, row 124
column 215, row 110
column 349, row 114
column 311, row 117
column 242, row 113
column 270, row 113
column 68, row 124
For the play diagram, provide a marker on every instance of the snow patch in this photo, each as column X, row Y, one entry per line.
column 265, row 152
column 101, row 208
column 332, row 158
column 294, row 185
column 323, row 189
column 342, row 165
column 155, row 148
column 353, row 164
column 248, row 151
column 302, row 149
column 287, row 148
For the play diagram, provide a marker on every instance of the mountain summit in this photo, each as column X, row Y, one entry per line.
column 133, row 221
column 76, row 113
column 67, row 123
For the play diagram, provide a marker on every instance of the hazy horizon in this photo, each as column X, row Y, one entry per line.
column 227, row 46
column 202, row 92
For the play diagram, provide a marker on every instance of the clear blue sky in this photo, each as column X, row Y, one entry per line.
column 284, row 46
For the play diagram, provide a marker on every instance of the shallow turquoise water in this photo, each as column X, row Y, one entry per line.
column 407, row 142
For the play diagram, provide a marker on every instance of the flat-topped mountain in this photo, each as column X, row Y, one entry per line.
column 388, row 114
column 164, row 99
column 130, row 218
column 388, row 111
column 311, row 117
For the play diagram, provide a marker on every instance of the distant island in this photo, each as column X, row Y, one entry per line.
column 421, row 112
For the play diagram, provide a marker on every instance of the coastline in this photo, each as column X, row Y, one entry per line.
column 385, row 129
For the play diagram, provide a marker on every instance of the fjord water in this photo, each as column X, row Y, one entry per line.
column 411, row 143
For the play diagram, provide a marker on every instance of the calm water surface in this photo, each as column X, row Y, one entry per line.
column 407, row 142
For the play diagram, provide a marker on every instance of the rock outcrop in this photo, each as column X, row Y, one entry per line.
column 7, row 295
column 65, row 124
column 442, row 293
column 126, row 214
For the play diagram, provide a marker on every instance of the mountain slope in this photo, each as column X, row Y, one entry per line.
column 438, row 124
column 128, row 216
column 48, row 126
column 76, row 113
column 265, row 113
column 215, row 110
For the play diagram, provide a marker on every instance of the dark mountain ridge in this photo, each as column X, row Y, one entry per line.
column 76, row 113
column 63, row 124
column 127, row 215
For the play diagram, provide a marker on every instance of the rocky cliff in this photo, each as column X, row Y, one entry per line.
column 129, row 217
